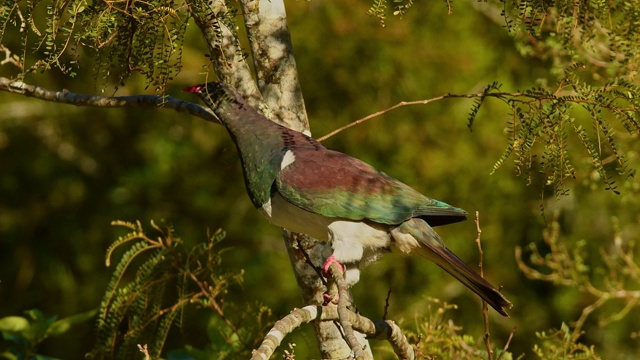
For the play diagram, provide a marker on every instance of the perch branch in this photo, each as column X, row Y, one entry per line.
column 343, row 312
column 380, row 329
column 304, row 252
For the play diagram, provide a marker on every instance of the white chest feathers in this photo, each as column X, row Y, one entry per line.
column 282, row 213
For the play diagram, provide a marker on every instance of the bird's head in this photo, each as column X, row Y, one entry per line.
column 215, row 93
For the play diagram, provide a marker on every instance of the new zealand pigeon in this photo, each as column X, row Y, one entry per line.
column 300, row 185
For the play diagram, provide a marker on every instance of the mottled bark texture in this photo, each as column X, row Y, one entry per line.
column 277, row 94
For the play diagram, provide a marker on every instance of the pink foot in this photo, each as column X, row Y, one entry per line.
column 328, row 299
column 331, row 260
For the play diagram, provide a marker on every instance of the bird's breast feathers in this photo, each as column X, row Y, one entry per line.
column 351, row 240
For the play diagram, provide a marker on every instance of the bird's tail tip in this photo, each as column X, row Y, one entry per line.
column 497, row 301
column 434, row 249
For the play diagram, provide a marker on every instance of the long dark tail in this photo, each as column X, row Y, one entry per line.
column 434, row 249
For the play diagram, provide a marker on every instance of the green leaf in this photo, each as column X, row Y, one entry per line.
column 13, row 324
column 8, row 356
column 35, row 314
column 39, row 326
column 44, row 357
column 63, row 325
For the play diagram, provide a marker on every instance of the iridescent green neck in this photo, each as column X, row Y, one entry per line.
column 260, row 145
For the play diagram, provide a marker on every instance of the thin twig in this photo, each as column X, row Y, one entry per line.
column 386, row 304
column 210, row 291
column 419, row 102
column 480, row 252
column 67, row 97
column 10, row 58
column 506, row 345
column 485, row 308
column 145, row 350
column 485, row 94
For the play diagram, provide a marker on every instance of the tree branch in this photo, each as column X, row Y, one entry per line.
column 380, row 329
column 226, row 53
column 304, row 253
column 9, row 58
column 272, row 54
column 343, row 313
column 418, row 102
column 276, row 74
column 66, row 97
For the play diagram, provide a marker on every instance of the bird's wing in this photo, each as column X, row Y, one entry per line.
column 333, row 184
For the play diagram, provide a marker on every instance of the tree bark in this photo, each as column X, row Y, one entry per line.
column 278, row 96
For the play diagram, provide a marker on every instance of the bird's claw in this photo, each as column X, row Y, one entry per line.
column 328, row 299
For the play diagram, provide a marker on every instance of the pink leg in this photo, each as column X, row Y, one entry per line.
column 325, row 272
column 331, row 260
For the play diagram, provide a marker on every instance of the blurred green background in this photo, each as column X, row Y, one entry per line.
column 66, row 172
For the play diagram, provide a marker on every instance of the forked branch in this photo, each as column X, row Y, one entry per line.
column 380, row 329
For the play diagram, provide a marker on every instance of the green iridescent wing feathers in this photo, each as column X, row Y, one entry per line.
column 336, row 185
